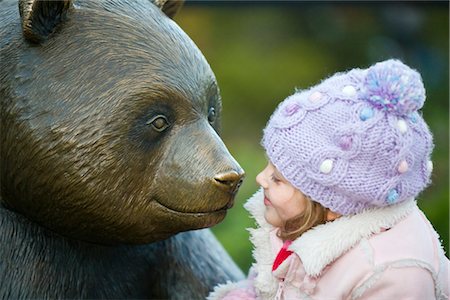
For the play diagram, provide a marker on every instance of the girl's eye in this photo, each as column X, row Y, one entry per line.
column 275, row 179
column 211, row 115
column 159, row 123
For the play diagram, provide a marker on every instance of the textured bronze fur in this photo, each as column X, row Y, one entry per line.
column 85, row 174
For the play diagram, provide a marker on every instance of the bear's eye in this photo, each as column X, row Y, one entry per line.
column 159, row 123
column 211, row 115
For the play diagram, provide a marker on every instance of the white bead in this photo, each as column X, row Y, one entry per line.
column 316, row 96
column 349, row 90
column 403, row 166
column 430, row 166
column 402, row 126
column 326, row 166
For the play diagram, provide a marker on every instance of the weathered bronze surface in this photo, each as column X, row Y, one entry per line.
column 109, row 147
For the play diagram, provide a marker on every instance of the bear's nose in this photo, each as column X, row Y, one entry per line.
column 229, row 181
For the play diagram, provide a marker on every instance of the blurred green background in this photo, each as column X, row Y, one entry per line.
column 261, row 51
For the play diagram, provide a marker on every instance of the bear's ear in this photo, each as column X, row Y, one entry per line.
column 40, row 18
column 169, row 7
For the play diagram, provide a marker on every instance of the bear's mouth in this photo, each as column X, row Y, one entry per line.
column 173, row 211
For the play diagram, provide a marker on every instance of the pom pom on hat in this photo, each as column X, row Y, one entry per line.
column 394, row 87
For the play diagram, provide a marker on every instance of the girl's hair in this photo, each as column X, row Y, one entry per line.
column 314, row 214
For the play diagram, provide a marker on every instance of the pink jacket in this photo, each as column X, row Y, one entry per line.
column 384, row 253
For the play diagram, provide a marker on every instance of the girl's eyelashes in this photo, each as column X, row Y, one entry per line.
column 274, row 178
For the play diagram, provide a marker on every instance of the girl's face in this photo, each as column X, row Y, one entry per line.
column 282, row 200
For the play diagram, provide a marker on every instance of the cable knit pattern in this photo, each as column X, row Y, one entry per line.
column 356, row 140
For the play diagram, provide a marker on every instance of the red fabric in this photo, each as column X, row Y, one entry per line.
column 282, row 255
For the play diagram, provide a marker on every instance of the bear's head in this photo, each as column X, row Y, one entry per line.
column 109, row 122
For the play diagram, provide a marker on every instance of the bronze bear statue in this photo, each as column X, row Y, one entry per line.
column 110, row 154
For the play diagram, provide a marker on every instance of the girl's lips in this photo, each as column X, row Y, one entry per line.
column 267, row 202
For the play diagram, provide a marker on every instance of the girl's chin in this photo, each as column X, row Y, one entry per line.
column 272, row 220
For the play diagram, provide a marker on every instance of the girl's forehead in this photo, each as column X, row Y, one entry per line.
column 272, row 166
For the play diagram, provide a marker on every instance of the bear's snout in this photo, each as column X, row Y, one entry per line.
column 229, row 181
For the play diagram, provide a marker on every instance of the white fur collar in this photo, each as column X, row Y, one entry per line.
column 333, row 238
column 263, row 253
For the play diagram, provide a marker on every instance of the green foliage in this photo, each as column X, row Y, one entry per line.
column 261, row 53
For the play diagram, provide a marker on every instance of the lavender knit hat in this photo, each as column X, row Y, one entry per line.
column 356, row 140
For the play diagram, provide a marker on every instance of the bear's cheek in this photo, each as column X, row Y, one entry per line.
column 167, row 179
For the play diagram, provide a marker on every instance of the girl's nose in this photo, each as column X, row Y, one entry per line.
column 260, row 179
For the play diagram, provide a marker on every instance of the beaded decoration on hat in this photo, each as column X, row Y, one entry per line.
column 355, row 140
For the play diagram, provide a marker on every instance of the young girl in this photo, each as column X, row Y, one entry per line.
column 336, row 212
